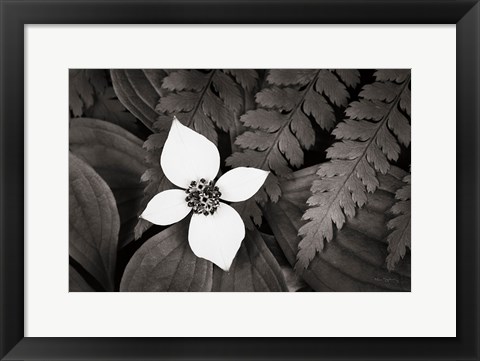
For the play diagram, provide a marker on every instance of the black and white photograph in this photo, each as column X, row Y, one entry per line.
column 239, row 180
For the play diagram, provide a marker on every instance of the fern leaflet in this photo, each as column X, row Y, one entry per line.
column 400, row 237
column 247, row 78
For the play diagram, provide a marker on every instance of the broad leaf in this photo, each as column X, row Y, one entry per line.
column 250, row 212
column 294, row 282
column 139, row 91
column 107, row 107
column 254, row 269
column 118, row 157
column 166, row 263
column 76, row 283
column 94, row 223
column 355, row 259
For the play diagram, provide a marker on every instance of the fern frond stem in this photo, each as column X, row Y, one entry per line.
column 238, row 128
column 287, row 123
column 390, row 245
column 263, row 81
column 200, row 98
column 406, row 226
column 235, row 131
column 382, row 123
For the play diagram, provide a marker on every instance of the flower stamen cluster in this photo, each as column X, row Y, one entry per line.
column 203, row 197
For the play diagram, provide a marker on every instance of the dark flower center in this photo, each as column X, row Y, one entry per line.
column 203, row 197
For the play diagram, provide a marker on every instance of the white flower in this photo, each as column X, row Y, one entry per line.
column 191, row 161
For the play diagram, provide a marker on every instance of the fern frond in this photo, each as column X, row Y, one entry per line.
column 202, row 99
column 84, row 85
column 400, row 237
column 280, row 129
column 365, row 145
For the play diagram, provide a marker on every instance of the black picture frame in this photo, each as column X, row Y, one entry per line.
column 15, row 14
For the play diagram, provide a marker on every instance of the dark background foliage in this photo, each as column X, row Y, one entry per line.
column 306, row 126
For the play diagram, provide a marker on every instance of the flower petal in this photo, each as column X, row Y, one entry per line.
column 241, row 183
column 188, row 155
column 167, row 207
column 217, row 237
